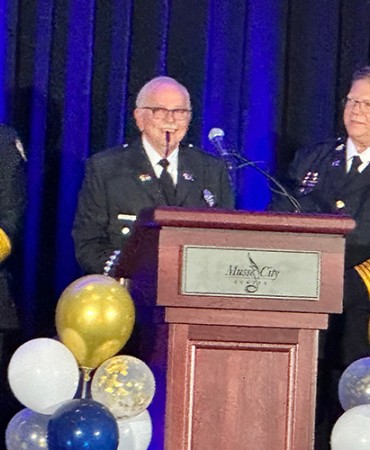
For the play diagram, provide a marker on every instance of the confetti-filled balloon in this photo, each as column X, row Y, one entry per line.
column 94, row 318
column 354, row 384
column 82, row 424
column 27, row 430
column 124, row 384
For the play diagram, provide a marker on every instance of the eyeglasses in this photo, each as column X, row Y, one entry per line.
column 162, row 113
column 364, row 105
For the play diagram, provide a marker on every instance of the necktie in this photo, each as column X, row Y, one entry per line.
column 356, row 162
column 167, row 185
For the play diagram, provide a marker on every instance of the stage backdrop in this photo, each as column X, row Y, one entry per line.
column 270, row 73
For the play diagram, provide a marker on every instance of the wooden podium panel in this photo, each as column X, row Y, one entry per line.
column 241, row 369
column 241, row 387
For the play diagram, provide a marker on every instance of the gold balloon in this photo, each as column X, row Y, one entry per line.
column 95, row 316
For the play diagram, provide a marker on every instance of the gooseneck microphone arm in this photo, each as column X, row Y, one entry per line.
column 281, row 190
column 234, row 161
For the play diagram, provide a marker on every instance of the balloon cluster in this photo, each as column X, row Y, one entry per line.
column 352, row 429
column 95, row 316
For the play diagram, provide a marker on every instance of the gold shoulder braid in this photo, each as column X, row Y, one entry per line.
column 363, row 270
column 5, row 245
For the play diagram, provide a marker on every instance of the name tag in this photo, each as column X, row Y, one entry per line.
column 129, row 217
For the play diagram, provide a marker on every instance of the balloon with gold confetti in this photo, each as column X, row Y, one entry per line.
column 124, row 384
column 95, row 316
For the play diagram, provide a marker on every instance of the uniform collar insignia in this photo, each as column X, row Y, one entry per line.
column 340, row 147
column 341, row 144
column 336, row 163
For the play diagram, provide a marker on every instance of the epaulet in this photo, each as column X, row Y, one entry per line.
column 333, row 141
column 338, row 143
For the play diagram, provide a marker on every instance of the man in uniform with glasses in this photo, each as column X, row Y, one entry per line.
column 155, row 170
column 334, row 177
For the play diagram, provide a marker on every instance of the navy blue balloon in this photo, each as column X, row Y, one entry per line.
column 82, row 424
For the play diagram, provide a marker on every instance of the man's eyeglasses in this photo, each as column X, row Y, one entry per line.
column 364, row 105
column 162, row 113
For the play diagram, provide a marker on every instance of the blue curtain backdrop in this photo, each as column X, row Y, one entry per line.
column 270, row 73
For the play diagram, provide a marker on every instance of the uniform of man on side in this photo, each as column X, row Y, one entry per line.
column 155, row 170
column 12, row 204
column 334, row 177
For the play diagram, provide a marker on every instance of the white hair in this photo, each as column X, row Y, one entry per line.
column 154, row 84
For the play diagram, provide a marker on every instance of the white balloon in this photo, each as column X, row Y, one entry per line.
column 126, row 438
column 43, row 374
column 135, row 433
column 352, row 430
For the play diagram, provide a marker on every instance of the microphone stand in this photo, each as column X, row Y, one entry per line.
column 242, row 162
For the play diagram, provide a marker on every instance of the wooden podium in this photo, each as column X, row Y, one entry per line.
column 245, row 295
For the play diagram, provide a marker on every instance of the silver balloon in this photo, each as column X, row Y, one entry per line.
column 352, row 430
column 124, row 384
column 27, row 430
column 354, row 384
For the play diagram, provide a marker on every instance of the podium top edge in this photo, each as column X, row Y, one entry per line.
column 246, row 220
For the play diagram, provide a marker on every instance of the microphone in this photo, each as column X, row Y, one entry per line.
column 168, row 138
column 216, row 137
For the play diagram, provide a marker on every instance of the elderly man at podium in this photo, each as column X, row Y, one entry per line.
column 334, row 177
column 154, row 170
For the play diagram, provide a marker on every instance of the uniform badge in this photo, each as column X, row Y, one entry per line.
column 188, row 176
column 309, row 182
column 209, row 198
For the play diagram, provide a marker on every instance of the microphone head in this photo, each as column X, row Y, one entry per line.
column 216, row 133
